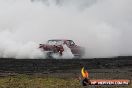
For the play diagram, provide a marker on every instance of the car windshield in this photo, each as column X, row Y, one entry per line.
column 55, row 42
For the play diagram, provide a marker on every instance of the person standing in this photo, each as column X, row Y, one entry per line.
column 85, row 77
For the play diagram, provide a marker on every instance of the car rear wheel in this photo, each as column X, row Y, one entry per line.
column 49, row 55
column 77, row 56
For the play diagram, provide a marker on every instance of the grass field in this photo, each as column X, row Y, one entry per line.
column 25, row 81
column 39, row 73
column 32, row 81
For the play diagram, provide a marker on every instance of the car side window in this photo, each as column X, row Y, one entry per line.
column 70, row 43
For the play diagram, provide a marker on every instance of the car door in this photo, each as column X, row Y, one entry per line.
column 74, row 48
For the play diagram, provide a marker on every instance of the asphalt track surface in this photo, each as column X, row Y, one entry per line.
column 62, row 65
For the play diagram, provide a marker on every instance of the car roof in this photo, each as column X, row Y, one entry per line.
column 59, row 40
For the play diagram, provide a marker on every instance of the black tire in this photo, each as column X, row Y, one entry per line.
column 77, row 56
column 49, row 55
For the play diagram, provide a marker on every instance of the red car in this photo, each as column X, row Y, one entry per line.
column 56, row 46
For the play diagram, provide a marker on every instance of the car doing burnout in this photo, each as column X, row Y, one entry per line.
column 55, row 46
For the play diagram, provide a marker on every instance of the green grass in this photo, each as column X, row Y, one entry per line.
column 26, row 81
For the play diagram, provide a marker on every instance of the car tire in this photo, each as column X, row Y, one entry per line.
column 49, row 55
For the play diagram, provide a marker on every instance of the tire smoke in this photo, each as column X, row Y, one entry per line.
column 102, row 27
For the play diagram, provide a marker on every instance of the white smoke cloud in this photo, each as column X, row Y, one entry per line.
column 67, row 52
column 103, row 27
column 12, row 49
